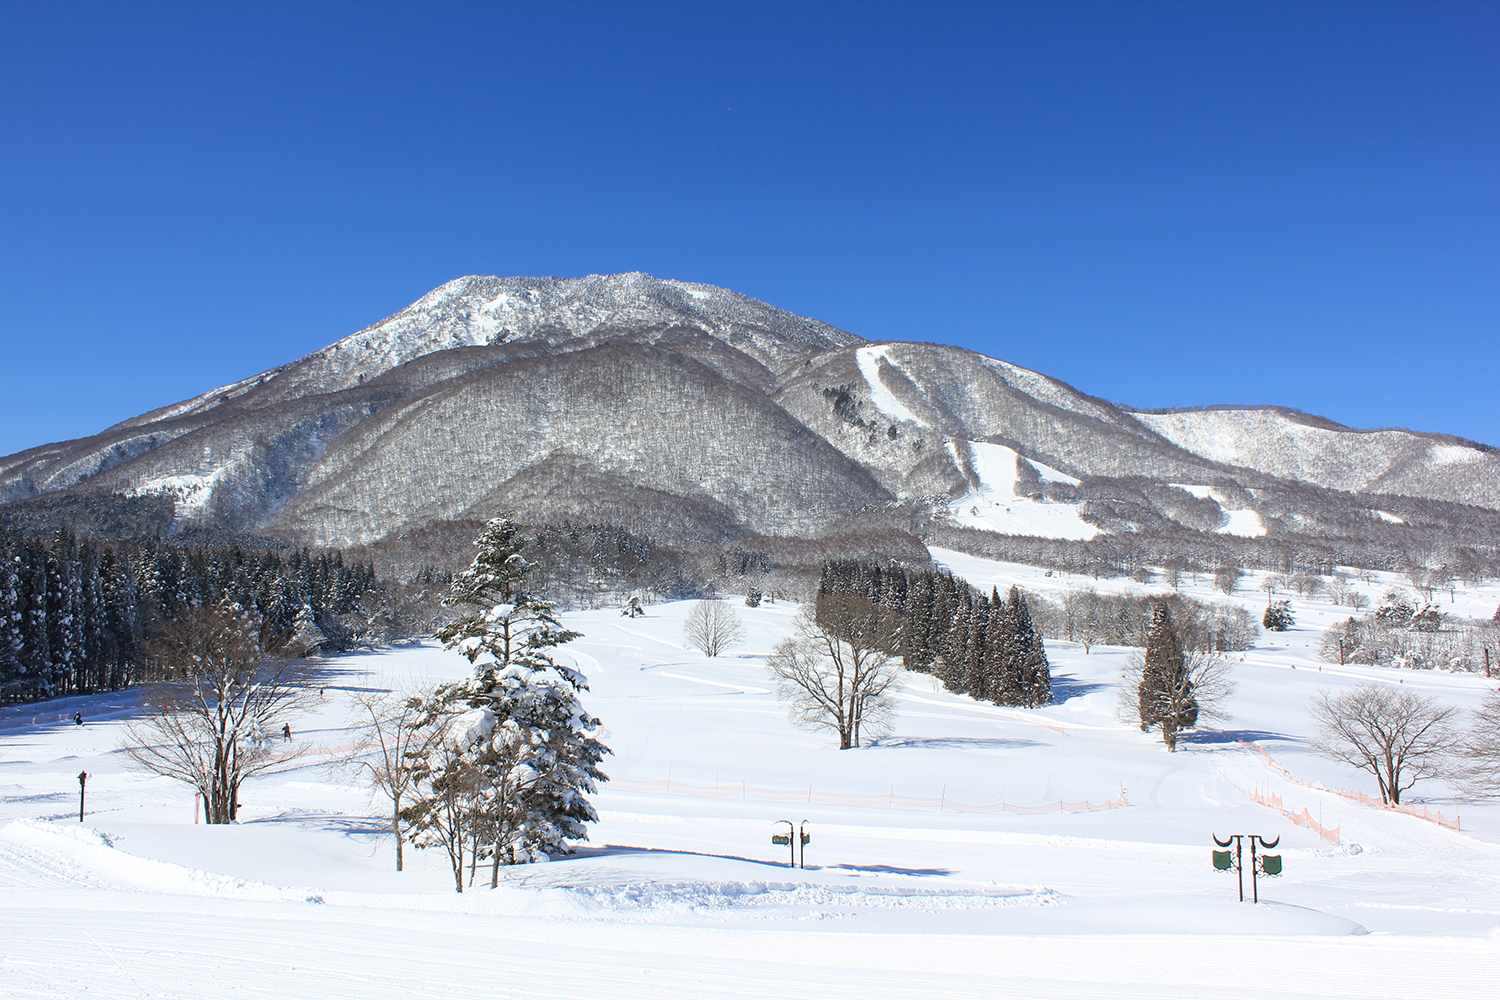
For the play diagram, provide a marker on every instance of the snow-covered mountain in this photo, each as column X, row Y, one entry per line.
column 1297, row 446
column 693, row 413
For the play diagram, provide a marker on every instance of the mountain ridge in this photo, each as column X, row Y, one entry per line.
column 699, row 412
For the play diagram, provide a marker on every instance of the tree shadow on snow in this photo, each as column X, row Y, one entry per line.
column 1066, row 686
column 951, row 743
column 620, row 850
column 349, row 826
column 1215, row 737
column 892, row 870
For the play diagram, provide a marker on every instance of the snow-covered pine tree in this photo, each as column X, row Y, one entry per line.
column 975, row 680
column 1032, row 684
column 36, row 656
column 65, row 613
column 12, row 618
column 531, row 741
column 916, row 637
column 1166, row 691
column 1278, row 616
column 123, row 618
column 1007, row 651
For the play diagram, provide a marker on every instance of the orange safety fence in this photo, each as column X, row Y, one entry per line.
column 1419, row 812
column 1303, row 818
column 809, row 795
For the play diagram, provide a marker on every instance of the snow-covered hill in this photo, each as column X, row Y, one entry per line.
column 955, row 857
column 1291, row 445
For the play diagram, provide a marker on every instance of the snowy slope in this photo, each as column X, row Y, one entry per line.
column 919, row 883
column 477, row 311
column 996, row 506
column 1295, row 446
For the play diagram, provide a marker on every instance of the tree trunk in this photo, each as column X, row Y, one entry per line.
column 396, row 829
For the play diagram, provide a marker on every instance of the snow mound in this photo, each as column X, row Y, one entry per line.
column 697, row 896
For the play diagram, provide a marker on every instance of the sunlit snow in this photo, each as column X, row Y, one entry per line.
column 918, row 881
column 885, row 401
column 996, row 507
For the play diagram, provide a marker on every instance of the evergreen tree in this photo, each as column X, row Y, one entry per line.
column 916, row 637
column 530, row 755
column 122, row 618
column 36, row 655
column 12, row 618
column 974, row 680
column 1165, row 695
column 1029, row 676
column 1009, row 651
column 1278, row 616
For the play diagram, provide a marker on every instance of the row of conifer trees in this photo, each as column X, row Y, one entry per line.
column 981, row 646
column 77, row 617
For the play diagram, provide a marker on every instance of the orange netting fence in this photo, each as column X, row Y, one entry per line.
column 809, row 795
column 1303, row 818
column 1421, row 812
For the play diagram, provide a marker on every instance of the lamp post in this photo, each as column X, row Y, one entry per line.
column 83, row 777
column 1264, row 864
column 780, row 839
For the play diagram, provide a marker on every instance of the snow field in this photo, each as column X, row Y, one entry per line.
column 996, row 507
column 680, row 893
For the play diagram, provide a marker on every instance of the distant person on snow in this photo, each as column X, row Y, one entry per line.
column 77, row 718
column 286, row 730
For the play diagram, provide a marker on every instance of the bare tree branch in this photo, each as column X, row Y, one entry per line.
column 1398, row 736
column 835, row 671
column 391, row 727
column 712, row 627
column 223, row 714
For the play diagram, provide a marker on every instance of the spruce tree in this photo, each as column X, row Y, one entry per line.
column 1033, row 675
column 12, row 618
column 1278, row 616
column 1166, row 692
column 531, row 747
column 974, row 679
column 1009, row 651
column 36, row 655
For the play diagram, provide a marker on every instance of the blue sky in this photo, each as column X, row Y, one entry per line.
column 1161, row 204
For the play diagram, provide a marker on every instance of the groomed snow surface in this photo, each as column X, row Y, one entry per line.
column 910, row 889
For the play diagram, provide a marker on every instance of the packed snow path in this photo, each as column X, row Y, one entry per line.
column 680, row 892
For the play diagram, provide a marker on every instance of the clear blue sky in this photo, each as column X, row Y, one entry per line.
column 1162, row 204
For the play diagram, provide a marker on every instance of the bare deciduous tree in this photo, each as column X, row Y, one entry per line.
column 1481, row 750
column 836, row 671
column 1398, row 736
column 220, row 714
column 712, row 627
column 390, row 725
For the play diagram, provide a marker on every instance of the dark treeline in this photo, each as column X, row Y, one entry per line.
column 78, row 617
column 981, row 646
